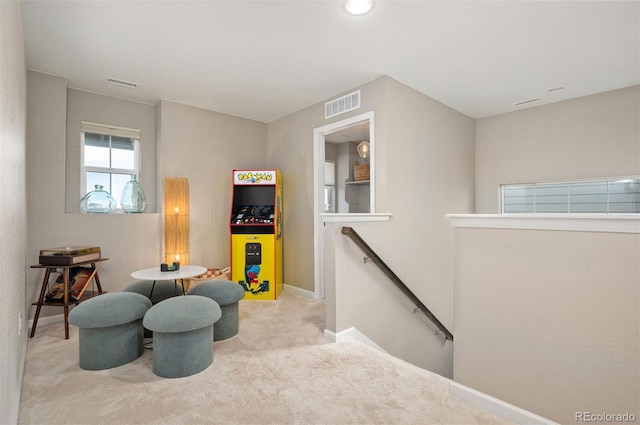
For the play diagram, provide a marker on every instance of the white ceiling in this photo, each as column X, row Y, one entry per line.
column 266, row 59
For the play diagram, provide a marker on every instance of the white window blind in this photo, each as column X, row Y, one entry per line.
column 612, row 196
column 109, row 130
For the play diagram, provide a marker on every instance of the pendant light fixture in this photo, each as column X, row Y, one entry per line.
column 358, row 7
column 363, row 149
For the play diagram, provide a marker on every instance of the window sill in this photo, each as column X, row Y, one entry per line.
column 355, row 217
column 610, row 223
column 113, row 213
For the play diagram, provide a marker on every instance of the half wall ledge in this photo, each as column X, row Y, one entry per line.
column 608, row 223
column 354, row 217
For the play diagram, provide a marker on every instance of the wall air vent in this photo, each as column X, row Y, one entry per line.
column 341, row 105
column 122, row 83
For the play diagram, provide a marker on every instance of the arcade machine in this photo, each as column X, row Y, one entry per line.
column 256, row 233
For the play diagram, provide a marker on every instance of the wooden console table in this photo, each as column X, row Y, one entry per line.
column 66, row 300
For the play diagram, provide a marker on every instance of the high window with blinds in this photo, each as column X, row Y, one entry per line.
column 614, row 196
column 110, row 156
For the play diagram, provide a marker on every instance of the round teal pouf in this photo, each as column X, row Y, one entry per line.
column 182, row 334
column 110, row 329
column 227, row 294
column 162, row 289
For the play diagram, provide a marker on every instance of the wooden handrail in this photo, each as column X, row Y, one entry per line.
column 349, row 231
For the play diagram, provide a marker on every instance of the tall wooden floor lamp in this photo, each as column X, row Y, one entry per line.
column 176, row 220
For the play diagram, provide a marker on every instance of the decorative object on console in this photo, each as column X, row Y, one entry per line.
column 133, row 199
column 164, row 267
column 98, row 201
column 176, row 220
column 360, row 172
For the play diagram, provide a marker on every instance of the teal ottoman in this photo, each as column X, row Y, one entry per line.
column 227, row 294
column 162, row 290
column 110, row 329
column 182, row 334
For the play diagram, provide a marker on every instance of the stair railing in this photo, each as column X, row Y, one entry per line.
column 371, row 255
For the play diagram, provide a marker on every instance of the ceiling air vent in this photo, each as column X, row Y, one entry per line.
column 524, row 102
column 341, row 105
column 122, row 83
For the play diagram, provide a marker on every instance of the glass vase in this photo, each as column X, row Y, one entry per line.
column 98, row 201
column 133, row 199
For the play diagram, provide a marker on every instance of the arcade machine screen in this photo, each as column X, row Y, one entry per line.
column 253, row 205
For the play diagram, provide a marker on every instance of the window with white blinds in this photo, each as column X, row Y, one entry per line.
column 614, row 196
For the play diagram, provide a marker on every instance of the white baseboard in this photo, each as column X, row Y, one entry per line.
column 47, row 320
column 300, row 291
column 16, row 408
column 330, row 335
column 497, row 406
column 351, row 334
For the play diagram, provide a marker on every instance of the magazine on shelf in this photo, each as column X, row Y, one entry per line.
column 79, row 280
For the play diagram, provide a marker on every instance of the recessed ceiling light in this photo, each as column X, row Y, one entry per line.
column 358, row 7
column 555, row 89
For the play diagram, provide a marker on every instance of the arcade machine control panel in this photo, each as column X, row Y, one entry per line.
column 253, row 214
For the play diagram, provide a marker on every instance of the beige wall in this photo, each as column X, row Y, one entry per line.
column 201, row 145
column 424, row 151
column 589, row 137
column 425, row 156
column 130, row 241
column 13, row 220
column 290, row 148
column 205, row 147
column 92, row 107
column 549, row 320
column 430, row 172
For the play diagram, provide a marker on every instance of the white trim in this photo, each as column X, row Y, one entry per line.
column 354, row 217
column 16, row 406
column 611, row 223
column 319, row 134
column 318, row 188
column 330, row 335
column 353, row 334
column 299, row 291
column 47, row 320
column 497, row 406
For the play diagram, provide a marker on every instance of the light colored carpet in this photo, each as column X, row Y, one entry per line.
column 278, row 370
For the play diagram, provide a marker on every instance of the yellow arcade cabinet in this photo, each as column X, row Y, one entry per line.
column 256, row 233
